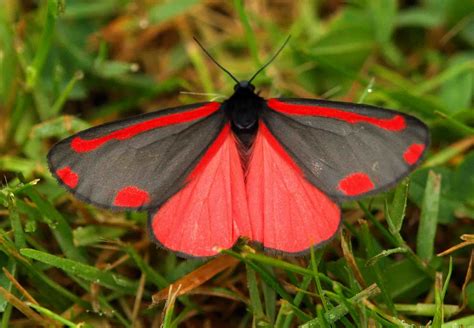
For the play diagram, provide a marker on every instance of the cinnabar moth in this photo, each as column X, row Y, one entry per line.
column 271, row 170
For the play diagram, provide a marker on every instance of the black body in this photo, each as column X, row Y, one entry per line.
column 242, row 110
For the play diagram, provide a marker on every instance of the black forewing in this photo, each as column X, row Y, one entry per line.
column 156, row 161
column 331, row 150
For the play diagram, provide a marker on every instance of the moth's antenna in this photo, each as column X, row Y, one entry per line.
column 271, row 59
column 215, row 61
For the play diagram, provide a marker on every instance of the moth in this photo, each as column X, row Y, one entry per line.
column 271, row 170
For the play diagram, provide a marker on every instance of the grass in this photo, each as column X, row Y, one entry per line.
column 67, row 65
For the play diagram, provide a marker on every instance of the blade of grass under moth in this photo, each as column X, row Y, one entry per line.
column 467, row 321
column 104, row 302
column 426, row 310
column 61, row 230
column 56, row 317
column 269, row 279
column 288, row 318
column 285, row 265
column 429, row 217
column 41, row 280
column 259, row 317
column 355, row 310
column 315, row 260
column 157, row 279
column 269, row 297
column 20, row 240
column 440, row 292
column 22, row 306
column 397, row 241
column 169, row 308
column 338, row 312
column 377, row 270
column 84, row 271
column 385, row 253
column 396, row 212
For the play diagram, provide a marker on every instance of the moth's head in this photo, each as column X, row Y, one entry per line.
column 244, row 85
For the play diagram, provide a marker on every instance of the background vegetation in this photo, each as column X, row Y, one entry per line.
column 67, row 65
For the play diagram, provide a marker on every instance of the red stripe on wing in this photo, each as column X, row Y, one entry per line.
column 395, row 123
column 85, row 145
column 287, row 213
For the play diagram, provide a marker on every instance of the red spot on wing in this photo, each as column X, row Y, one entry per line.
column 395, row 123
column 413, row 152
column 131, row 196
column 85, row 145
column 287, row 213
column 68, row 176
column 210, row 212
column 356, row 184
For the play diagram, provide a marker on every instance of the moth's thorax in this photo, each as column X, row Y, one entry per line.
column 243, row 107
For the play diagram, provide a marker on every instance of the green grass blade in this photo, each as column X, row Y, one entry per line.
column 157, row 279
column 429, row 217
column 255, row 300
column 430, row 84
column 39, row 278
column 271, row 281
column 315, row 260
column 86, row 272
column 163, row 12
column 249, row 33
column 59, row 103
column 8, row 60
column 440, row 292
column 169, row 309
column 269, row 297
column 33, row 71
column 296, row 301
column 467, row 321
column 372, row 251
column 57, row 317
column 20, row 240
column 396, row 212
column 61, row 228
column 426, row 310
column 341, row 310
